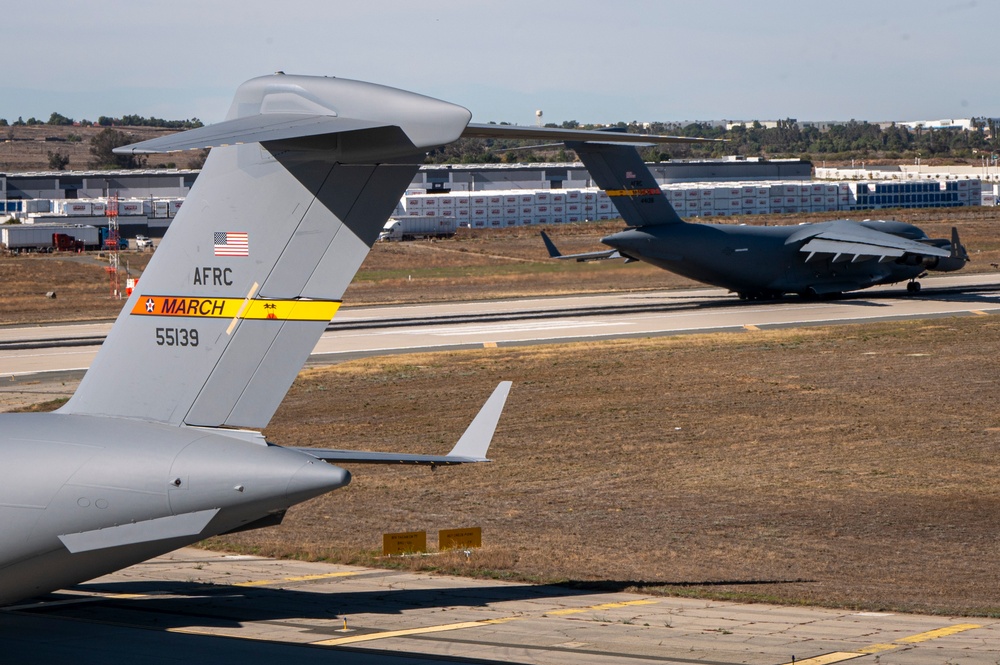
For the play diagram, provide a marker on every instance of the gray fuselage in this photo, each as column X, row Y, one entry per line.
column 761, row 260
column 88, row 495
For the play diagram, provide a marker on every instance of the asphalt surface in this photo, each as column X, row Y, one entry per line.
column 196, row 606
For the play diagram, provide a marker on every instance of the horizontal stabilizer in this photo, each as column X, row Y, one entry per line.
column 479, row 131
column 252, row 129
column 471, row 447
column 369, row 457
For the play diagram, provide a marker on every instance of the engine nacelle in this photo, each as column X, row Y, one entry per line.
column 944, row 264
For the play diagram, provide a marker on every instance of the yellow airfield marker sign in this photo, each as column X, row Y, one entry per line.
column 450, row 539
column 408, row 542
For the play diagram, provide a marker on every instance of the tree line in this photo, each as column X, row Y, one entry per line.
column 846, row 141
column 58, row 119
column 857, row 140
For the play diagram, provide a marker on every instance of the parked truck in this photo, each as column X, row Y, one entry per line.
column 63, row 242
column 38, row 237
column 106, row 240
column 409, row 228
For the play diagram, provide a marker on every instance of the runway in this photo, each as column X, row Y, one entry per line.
column 367, row 331
column 193, row 606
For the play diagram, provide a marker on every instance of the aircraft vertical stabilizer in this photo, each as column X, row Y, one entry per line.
column 620, row 171
column 302, row 176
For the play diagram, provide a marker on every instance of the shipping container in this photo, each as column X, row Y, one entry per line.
column 130, row 208
column 35, row 206
column 160, row 208
column 76, row 208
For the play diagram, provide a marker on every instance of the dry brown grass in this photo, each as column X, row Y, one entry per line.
column 27, row 148
column 80, row 282
column 852, row 466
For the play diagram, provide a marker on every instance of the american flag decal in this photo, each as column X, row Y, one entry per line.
column 231, row 243
column 630, row 174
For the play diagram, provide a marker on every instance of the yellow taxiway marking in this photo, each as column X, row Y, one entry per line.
column 337, row 641
column 940, row 632
column 978, row 312
column 826, row 659
column 300, row 578
column 605, row 606
column 468, row 624
column 750, row 326
column 840, row 656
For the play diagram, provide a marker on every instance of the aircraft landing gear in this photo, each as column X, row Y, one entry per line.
column 913, row 287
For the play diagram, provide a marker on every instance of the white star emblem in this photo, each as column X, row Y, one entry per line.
column 150, row 305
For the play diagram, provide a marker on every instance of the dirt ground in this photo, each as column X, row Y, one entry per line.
column 853, row 466
column 850, row 466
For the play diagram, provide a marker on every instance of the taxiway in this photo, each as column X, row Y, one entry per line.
column 193, row 605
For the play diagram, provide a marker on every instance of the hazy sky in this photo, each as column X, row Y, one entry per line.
column 576, row 60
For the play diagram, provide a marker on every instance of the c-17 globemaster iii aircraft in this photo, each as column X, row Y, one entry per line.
column 157, row 448
column 756, row 262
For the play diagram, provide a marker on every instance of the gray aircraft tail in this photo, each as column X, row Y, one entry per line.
column 620, row 171
column 302, row 176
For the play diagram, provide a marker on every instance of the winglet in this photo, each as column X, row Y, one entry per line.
column 478, row 436
column 958, row 250
column 549, row 245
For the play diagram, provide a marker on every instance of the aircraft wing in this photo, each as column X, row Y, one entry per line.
column 270, row 127
column 471, row 447
column 857, row 243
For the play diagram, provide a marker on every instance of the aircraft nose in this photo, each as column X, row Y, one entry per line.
column 316, row 477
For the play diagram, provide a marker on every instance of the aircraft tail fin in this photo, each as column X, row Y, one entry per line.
column 958, row 250
column 302, row 176
column 619, row 170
